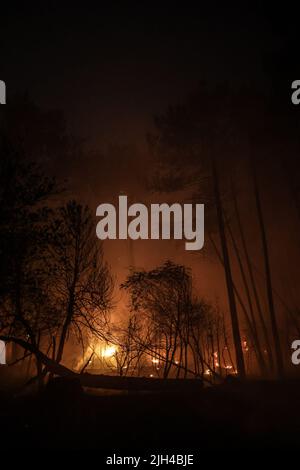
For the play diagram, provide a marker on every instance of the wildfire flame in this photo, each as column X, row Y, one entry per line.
column 155, row 361
column 108, row 351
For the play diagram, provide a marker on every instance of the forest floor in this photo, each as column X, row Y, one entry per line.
column 237, row 415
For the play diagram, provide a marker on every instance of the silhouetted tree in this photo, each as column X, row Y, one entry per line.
column 197, row 134
column 177, row 321
column 25, row 303
column 82, row 284
column 163, row 295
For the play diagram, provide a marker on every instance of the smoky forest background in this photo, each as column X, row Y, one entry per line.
column 140, row 343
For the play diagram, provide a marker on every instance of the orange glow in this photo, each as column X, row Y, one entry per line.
column 108, row 351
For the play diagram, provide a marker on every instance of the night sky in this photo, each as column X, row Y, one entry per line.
column 110, row 69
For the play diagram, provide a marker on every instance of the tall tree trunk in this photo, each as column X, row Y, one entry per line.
column 252, row 279
column 250, row 320
column 278, row 353
column 228, row 275
column 63, row 336
column 70, row 311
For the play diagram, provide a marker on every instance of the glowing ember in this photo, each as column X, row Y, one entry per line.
column 155, row 361
column 109, row 351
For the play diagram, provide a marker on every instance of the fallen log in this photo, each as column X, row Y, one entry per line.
column 140, row 383
column 112, row 382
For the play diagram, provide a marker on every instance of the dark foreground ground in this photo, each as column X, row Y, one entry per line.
column 224, row 418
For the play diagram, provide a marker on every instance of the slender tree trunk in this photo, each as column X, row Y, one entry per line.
column 219, row 353
column 62, row 340
column 67, row 322
column 251, row 321
column 180, row 360
column 185, row 359
column 228, row 275
column 252, row 280
column 278, row 353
